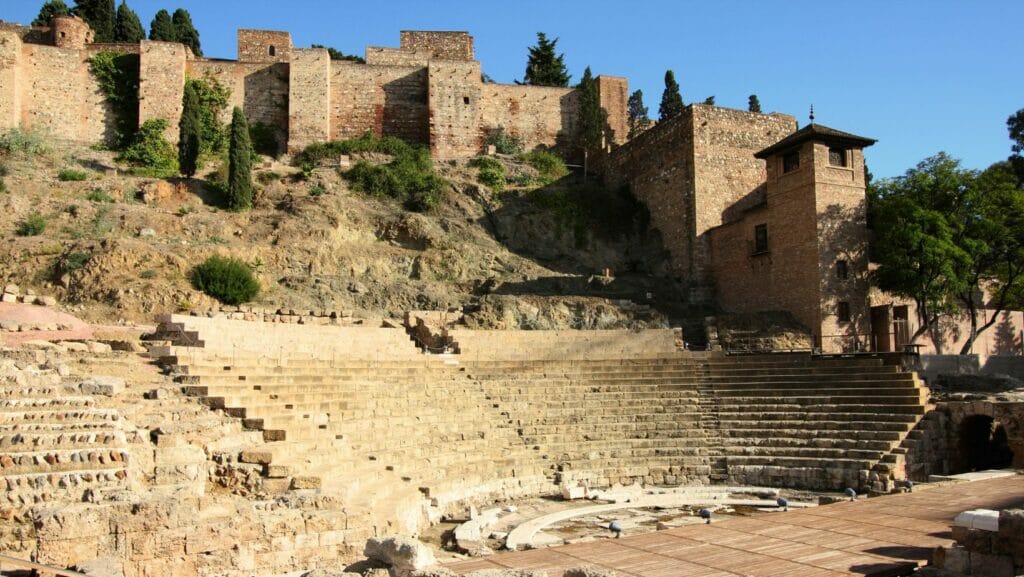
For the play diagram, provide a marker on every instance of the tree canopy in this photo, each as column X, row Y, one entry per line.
column 127, row 27
column 544, row 67
column 1015, row 124
column 753, row 104
column 639, row 120
column 50, row 10
column 185, row 32
column 945, row 236
column 671, row 98
column 99, row 14
column 161, row 28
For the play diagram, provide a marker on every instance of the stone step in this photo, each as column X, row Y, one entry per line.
column 33, row 489
column 60, row 439
column 60, row 460
column 59, row 415
column 822, row 412
column 818, row 453
column 27, row 404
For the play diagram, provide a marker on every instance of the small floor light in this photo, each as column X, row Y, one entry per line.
column 851, row 493
column 706, row 515
column 614, row 527
column 782, row 502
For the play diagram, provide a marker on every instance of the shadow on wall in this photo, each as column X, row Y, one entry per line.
column 405, row 113
column 1007, row 336
column 982, row 444
column 259, row 103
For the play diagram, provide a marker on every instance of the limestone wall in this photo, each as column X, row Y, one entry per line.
column 309, row 107
column 384, row 100
column 614, row 91
column 455, row 109
column 264, row 46
column 441, row 45
column 10, row 79
column 260, row 89
column 162, row 83
column 538, row 115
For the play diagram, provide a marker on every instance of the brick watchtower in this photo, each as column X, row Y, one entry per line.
column 71, row 32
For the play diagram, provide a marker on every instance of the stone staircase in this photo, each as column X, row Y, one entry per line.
column 56, row 444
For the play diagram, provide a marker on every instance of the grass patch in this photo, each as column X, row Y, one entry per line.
column 72, row 175
column 33, row 225
column 98, row 195
column 317, row 190
column 23, row 142
column 550, row 166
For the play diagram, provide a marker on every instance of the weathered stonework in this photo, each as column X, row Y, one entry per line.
column 162, row 83
column 264, row 46
column 309, row 108
column 454, row 105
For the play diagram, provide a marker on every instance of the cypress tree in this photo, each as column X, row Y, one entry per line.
column 544, row 67
column 189, row 132
column 239, row 163
column 710, row 100
column 161, row 28
column 639, row 120
column 753, row 104
column 100, row 16
column 592, row 118
column 671, row 99
column 185, row 32
column 127, row 27
column 49, row 11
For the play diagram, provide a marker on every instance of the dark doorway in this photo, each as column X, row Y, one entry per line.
column 881, row 340
column 982, row 445
column 900, row 326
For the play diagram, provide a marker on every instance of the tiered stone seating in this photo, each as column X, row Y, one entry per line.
column 55, row 445
column 796, row 422
column 564, row 345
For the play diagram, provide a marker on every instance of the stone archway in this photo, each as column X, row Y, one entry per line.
column 982, row 444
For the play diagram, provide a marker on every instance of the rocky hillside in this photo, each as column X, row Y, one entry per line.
column 113, row 247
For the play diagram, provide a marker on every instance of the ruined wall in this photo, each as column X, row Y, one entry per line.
column 538, row 115
column 614, row 93
column 384, row 100
column 264, row 46
column 309, row 106
column 441, row 45
column 454, row 104
column 162, row 83
column 10, row 79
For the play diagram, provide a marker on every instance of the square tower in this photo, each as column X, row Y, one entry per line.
column 264, row 46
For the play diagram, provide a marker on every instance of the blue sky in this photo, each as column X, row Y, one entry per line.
column 920, row 76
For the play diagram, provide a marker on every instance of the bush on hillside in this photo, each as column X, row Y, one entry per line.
column 150, row 152
column 314, row 154
column 503, row 142
column 70, row 174
column 33, row 225
column 549, row 165
column 26, row 142
column 226, row 279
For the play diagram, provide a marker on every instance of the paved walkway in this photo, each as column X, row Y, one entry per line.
column 878, row 537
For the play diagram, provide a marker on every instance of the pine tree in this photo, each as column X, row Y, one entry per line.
column 753, row 104
column 189, row 130
column 592, row 118
column 671, row 99
column 639, row 120
column 161, row 28
column 544, row 67
column 99, row 14
column 49, row 11
column 127, row 27
column 710, row 100
column 239, row 163
column 185, row 32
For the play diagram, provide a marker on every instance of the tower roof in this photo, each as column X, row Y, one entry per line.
column 816, row 132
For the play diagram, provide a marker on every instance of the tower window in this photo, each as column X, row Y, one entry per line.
column 791, row 161
column 837, row 156
column 760, row 238
column 272, row 51
column 842, row 270
column 843, row 312
column 465, row 100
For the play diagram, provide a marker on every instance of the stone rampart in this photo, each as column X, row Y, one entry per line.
column 455, row 109
column 383, row 100
column 440, row 45
column 309, row 107
column 11, row 72
column 162, row 83
column 260, row 89
column 264, row 46
column 537, row 115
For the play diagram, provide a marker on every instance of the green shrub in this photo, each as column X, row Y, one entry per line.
column 150, row 151
column 98, row 195
column 226, row 279
column 264, row 139
column 3, row 170
column 492, row 179
column 3, row 186
column 549, row 165
column 315, row 153
column 267, row 177
column 26, row 142
column 117, row 75
column 33, row 225
column 213, row 99
column 503, row 142
column 409, row 177
column 74, row 261
column 186, row 209
column 317, row 190
column 70, row 174
column 147, row 274
column 487, row 162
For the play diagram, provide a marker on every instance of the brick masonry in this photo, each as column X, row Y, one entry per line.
column 162, row 83
column 309, row 107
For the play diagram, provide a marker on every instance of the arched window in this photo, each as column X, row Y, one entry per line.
column 272, row 51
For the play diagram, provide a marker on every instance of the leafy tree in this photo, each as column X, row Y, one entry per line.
column 239, row 163
column 162, row 28
column 339, row 55
column 544, row 67
column 592, row 118
column 753, row 104
column 671, row 99
column 710, row 100
column 100, row 16
column 50, row 10
column 639, row 121
column 127, row 27
column 189, row 132
column 185, row 32
column 945, row 236
column 227, row 279
column 213, row 99
column 1015, row 124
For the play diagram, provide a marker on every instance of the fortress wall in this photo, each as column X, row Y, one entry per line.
column 538, row 115
column 256, row 45
column 55, row 91
column 384, row 100
column 614, row 92
column 380, row 56
column 309, row 103
column 162, row 84
column 454, row 100
column 658, row 167
column 10, row 79
column 442, row 45
column 261, row 89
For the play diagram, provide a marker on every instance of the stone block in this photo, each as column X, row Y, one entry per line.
column 102, row 385
column 305, row 483
column 256, row 457
column 46, row 301
column 402, row 553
